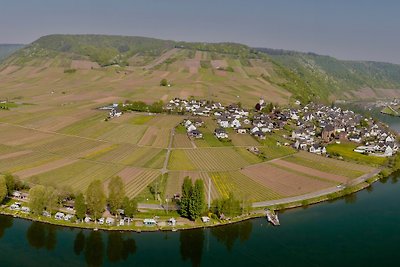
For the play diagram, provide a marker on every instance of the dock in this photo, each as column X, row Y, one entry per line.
column 272, row 217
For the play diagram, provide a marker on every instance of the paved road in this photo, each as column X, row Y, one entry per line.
column 320, row 193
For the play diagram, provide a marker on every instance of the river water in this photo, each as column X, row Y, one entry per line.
column 360, row 230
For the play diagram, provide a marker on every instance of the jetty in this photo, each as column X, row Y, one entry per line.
column 272, row 217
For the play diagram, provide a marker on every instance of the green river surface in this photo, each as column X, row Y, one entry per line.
column 362, row 229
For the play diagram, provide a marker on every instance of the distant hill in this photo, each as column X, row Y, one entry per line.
column 8, row 49
column 291, row 75
column 327, row 75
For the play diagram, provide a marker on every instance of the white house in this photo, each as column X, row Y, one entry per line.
column 220, row 133
column 236, row 123
column 191, row 128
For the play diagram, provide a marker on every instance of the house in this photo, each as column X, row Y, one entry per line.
column 220, row 133
column 328, row 133
column 241, row 131
column 388, row 152
column 115, row 112
column 236, row 123
column 224, row 123
column 260, row 135
column 191, row 128
column 187, row 123
column 195, row 134
column 317, row 149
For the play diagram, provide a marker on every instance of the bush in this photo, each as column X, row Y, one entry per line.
column 164, row 82
column 70, row 71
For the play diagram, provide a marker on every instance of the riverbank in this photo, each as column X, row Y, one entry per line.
column 258, row 211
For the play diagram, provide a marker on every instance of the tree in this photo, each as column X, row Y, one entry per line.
column 3, row 189
column 116, row 194
column 95, row 199
column 187, row 188
column 163, row 82
column 50, row 199
column 229, row 206
column 157, row 107
column 37, row 199
column 10, row 181
column 80, row 206
column 197, row 200
column 130, row 207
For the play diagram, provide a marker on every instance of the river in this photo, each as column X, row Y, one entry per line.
column 359, row 230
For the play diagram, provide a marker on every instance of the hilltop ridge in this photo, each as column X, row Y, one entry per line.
column 290, row 74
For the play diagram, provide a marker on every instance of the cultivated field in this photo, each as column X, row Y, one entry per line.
column 283, row 182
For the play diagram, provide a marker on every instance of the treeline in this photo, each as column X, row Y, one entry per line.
column 156, row 107
column 93, row 202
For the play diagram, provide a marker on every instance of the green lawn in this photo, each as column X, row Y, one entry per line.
column 345, row 150
column 141, row 119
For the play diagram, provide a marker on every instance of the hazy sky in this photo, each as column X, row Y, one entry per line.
column 347, row 29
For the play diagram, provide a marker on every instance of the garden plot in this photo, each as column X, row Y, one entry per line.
column 26, row 161
column 45, row 168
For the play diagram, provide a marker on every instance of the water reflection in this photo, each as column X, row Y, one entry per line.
column 40, row 235
column 191, row 245
column 5, row 222
column 228, row 234
column 117, row 249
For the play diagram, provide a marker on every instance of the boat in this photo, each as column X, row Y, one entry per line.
column 272, row 217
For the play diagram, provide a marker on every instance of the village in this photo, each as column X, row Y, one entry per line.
column 312, row 126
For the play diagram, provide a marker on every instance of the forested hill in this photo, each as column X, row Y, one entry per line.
column 329, row 74
column 8, row 49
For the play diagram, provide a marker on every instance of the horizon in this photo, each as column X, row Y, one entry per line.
column 348, row 31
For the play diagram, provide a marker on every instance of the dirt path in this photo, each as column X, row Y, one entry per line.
column 171, row 138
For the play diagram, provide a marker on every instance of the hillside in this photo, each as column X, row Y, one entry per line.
column 328, row 75
column 8, row 49
column 226, row 72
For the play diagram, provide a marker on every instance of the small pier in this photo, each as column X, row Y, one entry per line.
column 272, row 217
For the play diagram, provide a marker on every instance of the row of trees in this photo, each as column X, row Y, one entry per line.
column 156, row 107
column 192, row 200
column 95, row 200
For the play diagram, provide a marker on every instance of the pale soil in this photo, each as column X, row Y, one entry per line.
column 312, row 172
column 221, row 63
column 283, row 182
column 84, row 64
column 15, row 154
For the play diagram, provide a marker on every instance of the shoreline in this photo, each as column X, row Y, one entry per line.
column 258, row 213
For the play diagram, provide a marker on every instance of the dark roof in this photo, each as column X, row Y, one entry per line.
column 329, row 128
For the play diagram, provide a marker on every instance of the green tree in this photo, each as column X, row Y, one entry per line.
column 3, row 189
column 230, row 206
column 187, row 188
column 10, row 181
column 37, row 199
column 80, row 206
column 50, row 199
column 130, row 207
column 164, row 82
column 116, row 194
column 197, row 200
column 157, row 107
column 95, row 199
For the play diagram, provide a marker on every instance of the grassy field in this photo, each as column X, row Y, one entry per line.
column 345, row 150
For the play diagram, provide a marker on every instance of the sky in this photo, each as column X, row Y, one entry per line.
column 346, row 29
